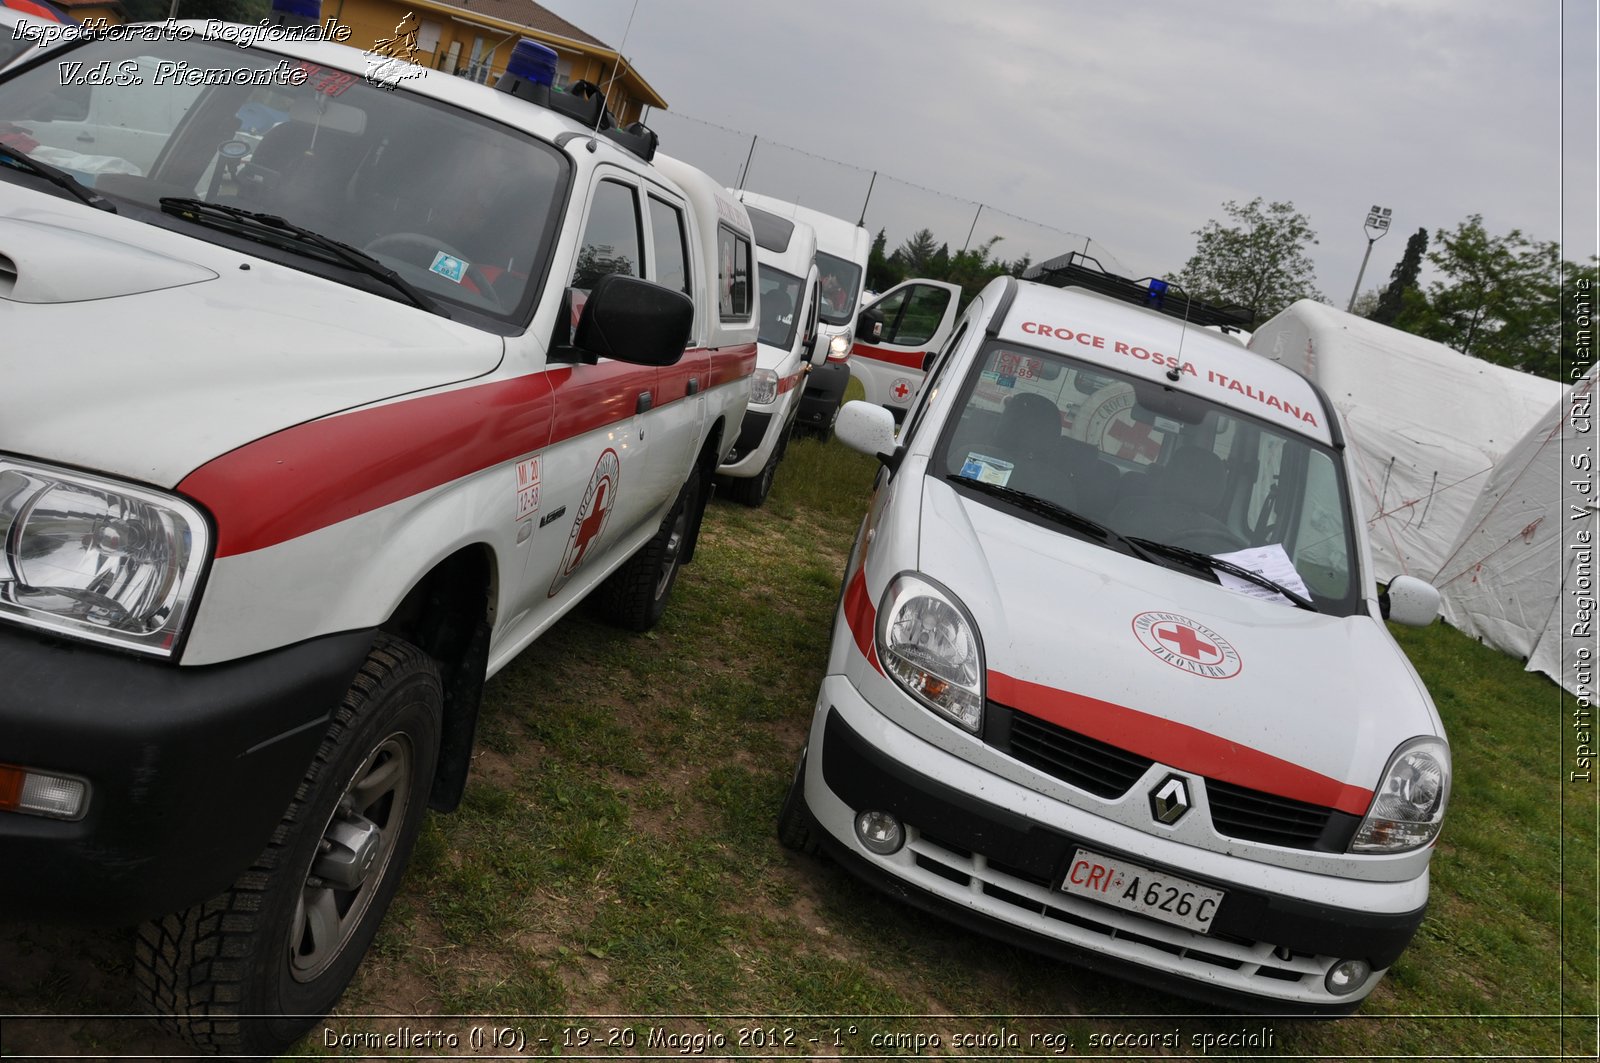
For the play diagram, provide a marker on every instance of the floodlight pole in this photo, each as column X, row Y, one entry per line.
column 1377, row 218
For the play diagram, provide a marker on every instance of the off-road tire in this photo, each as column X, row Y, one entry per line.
column 635, row 596
column 795, row 830
column 221, row 975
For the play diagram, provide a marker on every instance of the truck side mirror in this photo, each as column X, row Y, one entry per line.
column 634, row 320
column 869, row 428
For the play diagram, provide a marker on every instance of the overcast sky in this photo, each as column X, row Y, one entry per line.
column 1131, row 124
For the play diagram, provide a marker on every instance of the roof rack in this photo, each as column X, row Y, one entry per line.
column 1075, row 270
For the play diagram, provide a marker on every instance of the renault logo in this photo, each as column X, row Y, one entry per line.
column 1170, row 800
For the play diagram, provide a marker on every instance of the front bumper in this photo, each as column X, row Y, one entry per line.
column 995, row 863
column 189, row 769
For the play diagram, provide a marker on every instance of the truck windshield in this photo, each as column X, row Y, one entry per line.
column 461, row 208
column 841, row 283
column 1155, row 464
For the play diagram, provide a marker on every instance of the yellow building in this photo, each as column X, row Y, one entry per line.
column 474, row 39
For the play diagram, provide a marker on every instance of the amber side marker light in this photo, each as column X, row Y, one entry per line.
column 42, row 794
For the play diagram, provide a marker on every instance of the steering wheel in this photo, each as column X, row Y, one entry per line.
column 431, row 246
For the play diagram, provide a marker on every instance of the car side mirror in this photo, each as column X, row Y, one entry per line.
column 1410, row 601
column 869, row 428
column 817, row 351
column 634, row 320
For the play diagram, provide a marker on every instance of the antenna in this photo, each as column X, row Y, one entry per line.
column 616, row 68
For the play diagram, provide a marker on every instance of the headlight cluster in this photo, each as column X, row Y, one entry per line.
column 763, row 386
column 929, row 644
column 97, row 559
column 839, row 347
column 1408, row 808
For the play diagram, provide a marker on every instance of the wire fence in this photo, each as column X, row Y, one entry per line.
column 877, row 200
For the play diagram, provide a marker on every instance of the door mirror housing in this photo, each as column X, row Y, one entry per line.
column 1410, row 601
column 869, row 428
column 633, row 320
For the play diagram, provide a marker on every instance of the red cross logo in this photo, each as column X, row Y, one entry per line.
column 900, row 389
column 1136, row 440
column 1189, row 643
column 590, row 526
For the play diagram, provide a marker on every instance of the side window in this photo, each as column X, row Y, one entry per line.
column 930, row 383
column 733, row 274
column 670, row 245
column 920, row 319
column 612, row 239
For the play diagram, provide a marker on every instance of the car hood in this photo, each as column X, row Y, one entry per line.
column 144, row 353
column 1171, row 666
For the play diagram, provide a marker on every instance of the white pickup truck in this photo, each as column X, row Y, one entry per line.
column 314, row 416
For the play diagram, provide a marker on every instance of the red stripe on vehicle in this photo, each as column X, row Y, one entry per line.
column 1178, row 745
column 730, row 363
column 861, row 615
column 317, row 474
column 905, row 361
column 790, row 382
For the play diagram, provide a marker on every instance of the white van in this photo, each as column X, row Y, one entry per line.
column 1110, row 677
column 842, row 250
column 787, row 348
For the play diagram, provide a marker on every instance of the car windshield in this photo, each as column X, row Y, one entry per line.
column 1155, row 464
column 460, row 208
column 780, row 293
column 840, row 281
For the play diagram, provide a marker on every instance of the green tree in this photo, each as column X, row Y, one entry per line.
column 1401, row 280
column 883, row 272
column 1258, row 261
column 1498, row 298
column 917, row 253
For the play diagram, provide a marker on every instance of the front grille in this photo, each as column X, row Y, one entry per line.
column 1108, row 772
column 1255, row 816
column 1081, row 761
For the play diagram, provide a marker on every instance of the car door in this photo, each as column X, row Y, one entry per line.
column 909, row 323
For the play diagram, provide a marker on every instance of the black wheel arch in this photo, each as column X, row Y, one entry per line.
column 448, row 614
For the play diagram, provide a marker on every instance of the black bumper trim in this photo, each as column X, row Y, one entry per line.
column 190, row 768
column 862, row 777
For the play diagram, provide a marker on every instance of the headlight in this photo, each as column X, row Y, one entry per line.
column 96, row 559
column 929, row 644
column 838, row 347
column 1408, row 807
column 763, row 386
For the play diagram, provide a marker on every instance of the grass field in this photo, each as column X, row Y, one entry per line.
column 614, row 876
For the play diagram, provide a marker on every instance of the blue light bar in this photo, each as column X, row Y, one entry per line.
column 530, row 73
column 296, row 12
column 1158, row 293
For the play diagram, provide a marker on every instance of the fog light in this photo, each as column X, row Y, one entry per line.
column 880, row 832
column 42, row 794
column 1347, row 976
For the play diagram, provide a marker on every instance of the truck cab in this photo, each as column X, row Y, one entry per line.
column 356, row 381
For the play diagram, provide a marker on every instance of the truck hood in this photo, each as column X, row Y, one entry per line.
column 143, row 353
column 1171, row 666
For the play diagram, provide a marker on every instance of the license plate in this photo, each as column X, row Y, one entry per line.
column 1153, row 894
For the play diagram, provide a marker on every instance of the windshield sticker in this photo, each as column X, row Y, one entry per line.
column 1186, row 645
column 449, row 267
column 986, row 469
column 327, row 82
column 1015, row 367
column 1271, row 561
column 527, row 486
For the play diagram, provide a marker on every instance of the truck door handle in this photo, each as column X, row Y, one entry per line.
column 645, row 402
column 84, row 138
column 693, row 387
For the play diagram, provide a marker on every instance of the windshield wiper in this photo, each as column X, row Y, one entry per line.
column 1195, row 556
column 55, row 175
column 206, row 213
column 1054, row 510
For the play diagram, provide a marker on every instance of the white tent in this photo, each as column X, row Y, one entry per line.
column 1426, row 424
column 1525, row 558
